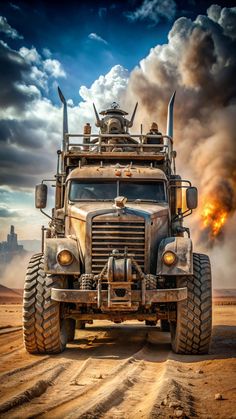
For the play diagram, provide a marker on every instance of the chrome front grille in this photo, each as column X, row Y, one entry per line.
column 109, row 235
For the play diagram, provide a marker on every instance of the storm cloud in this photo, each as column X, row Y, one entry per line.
column 6, row 28
column 29, row 123
column 14, row 72
column 154, row 11
column 6, row 213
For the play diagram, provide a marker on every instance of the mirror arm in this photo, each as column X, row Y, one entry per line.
column 182, row 215
column 44, row 213
column 51, row 218
column 187, row 213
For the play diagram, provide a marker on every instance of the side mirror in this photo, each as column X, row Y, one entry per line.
column 191, row 197
column 41, row 192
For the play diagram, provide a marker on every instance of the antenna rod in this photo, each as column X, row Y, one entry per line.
column 170, row 117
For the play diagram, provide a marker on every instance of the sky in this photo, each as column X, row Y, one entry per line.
column 92, row 50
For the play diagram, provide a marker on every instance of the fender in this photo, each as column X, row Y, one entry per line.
column 182, row 247
column 55, row 245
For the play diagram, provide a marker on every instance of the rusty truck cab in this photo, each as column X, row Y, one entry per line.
column 116, row 199
column 116, row 247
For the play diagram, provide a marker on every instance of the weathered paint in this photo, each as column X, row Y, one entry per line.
column 81, row 215
column 182, row 247
column 52, row 247
column 108, row 172
column 91, row 297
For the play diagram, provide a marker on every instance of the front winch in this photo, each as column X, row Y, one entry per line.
column 119, row 268
column 114, row 290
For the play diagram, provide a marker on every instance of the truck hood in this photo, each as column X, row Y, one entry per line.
column 79, row 221
column 81, row 210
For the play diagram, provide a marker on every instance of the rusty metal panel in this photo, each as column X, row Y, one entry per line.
column 120, row 317
column 117, row 232
column 111, row 215
column 158, row 229
column 90, row 297
column 55, row 245
column 86, row 220
column 182, row 247
column 108, row 172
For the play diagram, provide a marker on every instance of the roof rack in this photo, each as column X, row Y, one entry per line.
column 96, row 146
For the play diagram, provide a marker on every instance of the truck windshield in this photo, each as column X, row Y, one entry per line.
column 108, row 190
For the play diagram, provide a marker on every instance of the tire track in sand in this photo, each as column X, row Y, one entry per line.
column 107, row 387
column 31, row 392
column 92, row 380
column 97, row 399
column 117, row 371
column 80, row 373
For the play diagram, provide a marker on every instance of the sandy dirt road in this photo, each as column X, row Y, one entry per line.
column 118, row 371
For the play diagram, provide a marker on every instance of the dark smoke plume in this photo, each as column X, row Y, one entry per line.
column 199, row 62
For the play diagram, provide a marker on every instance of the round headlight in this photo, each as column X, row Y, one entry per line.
column 169, row 258
column 65, row 257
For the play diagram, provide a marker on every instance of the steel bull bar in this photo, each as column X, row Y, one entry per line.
column 119, row 296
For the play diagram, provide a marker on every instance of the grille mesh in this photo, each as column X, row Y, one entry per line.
column 109, row 235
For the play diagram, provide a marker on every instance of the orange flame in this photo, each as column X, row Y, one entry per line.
column 214, row 217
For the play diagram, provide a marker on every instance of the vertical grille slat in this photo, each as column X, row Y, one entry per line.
column 109, row 235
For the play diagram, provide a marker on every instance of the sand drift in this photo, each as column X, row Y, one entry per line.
column 118, row 371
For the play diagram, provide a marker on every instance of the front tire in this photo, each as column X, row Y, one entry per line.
column 191, row 333
column 44, row 330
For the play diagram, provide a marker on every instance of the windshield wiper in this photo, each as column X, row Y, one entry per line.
column 92, row 199
column 144, row 200
column 112, row 199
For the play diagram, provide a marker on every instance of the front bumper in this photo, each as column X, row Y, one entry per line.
column 112, row 300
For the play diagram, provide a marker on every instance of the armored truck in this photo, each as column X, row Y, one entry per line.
column 116, row 247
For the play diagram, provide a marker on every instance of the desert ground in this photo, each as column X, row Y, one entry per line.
column 118, row 371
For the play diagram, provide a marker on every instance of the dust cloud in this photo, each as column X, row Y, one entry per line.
column 199, row 62
column 13, row 275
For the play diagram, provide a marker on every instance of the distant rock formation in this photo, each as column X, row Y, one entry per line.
column 10, row 296
column 10, row 248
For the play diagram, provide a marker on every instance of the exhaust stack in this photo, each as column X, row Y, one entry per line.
column 65, row 119
column 98, row 123
column 170, row 117
column 130, row 124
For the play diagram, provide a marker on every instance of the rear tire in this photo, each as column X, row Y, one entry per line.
column 44, row 330
column 151, row 282
column 150, row 322
column 80, row 324
column 191, row 334
column 70, row 329
column 87, row 282
column 164, row 325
